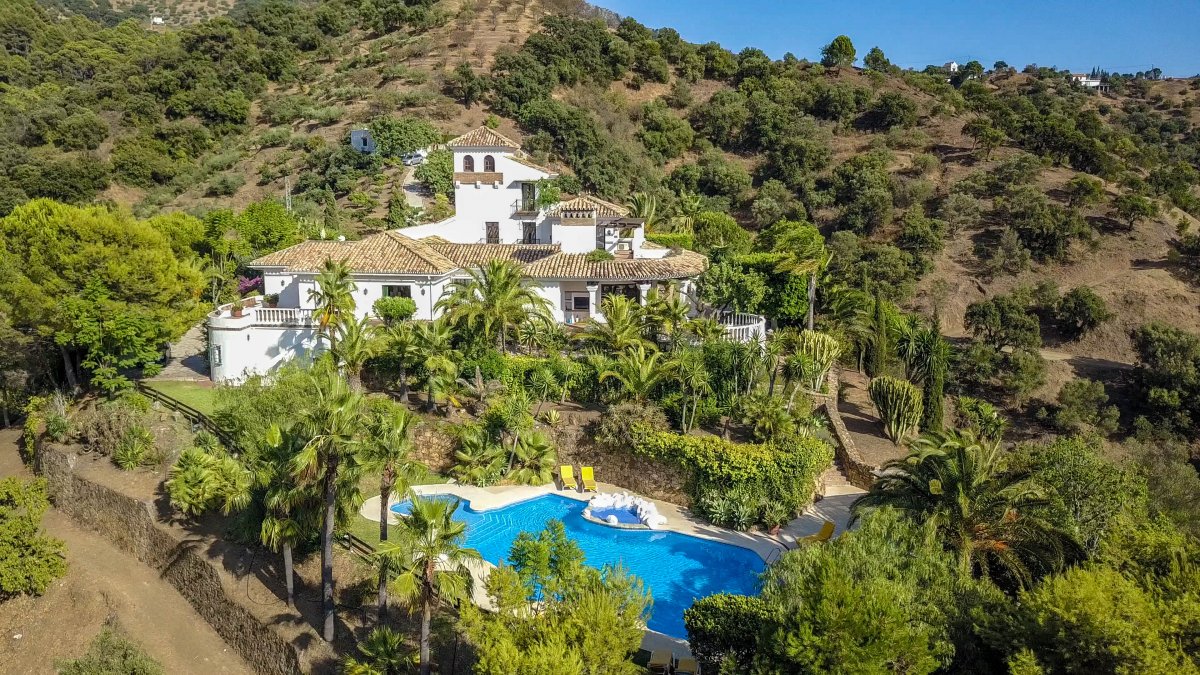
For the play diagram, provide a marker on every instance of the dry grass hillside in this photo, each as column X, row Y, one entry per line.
column 403, row 73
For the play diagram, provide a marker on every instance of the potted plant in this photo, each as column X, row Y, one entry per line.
column 236, row 309
column 774, row 516
column 271, row 300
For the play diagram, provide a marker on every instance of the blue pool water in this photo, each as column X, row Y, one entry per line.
column 676, row 568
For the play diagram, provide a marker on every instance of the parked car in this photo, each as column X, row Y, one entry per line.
column 414, row 158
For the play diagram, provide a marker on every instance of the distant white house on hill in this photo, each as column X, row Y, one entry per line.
column 1087, row 81
column 362, row 141
column 573, row 253
column 951, row 67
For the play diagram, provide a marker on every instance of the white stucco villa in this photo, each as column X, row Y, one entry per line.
column 497, row 217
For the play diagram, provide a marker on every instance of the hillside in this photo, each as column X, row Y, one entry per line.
column 870, row 155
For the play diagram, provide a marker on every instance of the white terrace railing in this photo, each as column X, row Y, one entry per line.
column 260, row 315
column 743, row 327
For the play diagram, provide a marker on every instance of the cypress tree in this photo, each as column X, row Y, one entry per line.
column 933, row 395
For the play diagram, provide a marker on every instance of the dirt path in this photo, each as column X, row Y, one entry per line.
column 103, row 583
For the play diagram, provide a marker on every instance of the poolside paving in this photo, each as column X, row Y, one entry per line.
column 835, row 506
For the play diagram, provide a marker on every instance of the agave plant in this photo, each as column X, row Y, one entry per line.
column 744, row 514
column 717, row 508
column 552, row 418
column 899, row 406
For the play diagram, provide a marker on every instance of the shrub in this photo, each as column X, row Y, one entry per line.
column 616, row 428
column 105, row 427
column 981, row 417
column 1080, row 311
column 671, row 239
column 724, row 626
column 29, row 561
column 899, row 406
column 1081, row 406
column 394, row 310
column 225, row 185
column 135, row 449
column 782, row 471
column 598, row 255
column 111, row 653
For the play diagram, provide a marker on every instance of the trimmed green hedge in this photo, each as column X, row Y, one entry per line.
column 725, row 626
column 672, row 239
column 782, row 471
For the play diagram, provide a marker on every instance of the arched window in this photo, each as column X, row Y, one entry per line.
column 468, row 164
column 489, row 163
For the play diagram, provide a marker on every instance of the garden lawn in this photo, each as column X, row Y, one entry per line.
column 201, row 396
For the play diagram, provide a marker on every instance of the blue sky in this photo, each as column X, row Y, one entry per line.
column 1122, row 36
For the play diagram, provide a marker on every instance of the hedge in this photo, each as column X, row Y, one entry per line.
column 672, row 239
column 724, row 625
column 783, row 471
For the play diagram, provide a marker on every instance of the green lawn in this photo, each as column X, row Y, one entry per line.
column 201, row 396
column 368, row 530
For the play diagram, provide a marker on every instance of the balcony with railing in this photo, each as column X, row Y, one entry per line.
column 255, row 314
column 525, row 207
column 743, row 327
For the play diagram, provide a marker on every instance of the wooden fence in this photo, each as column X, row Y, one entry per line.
column 190, row 414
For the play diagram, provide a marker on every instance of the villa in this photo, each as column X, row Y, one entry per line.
column 498, row 217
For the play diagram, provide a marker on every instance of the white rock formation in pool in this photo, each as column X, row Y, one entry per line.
column 644, row 509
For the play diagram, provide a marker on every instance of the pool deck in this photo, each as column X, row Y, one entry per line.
column 835, row 507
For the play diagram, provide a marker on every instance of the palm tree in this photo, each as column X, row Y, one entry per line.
column 707, row 329
column 333, row 297
column 402, row 344
column 491, row 300
column 292, row 510
column 479, row 390
column 621, row 329
column 386, row 449
column 668, row 312
column 689, row 367
column 356, row 344
column 804, row 253
column 638, row 371
column 383, row 653
column 331, row 422
column 479, row 460
column 435, row 340
column 992, row 517
column 535, row 459
column 430, row 562
column 687, row 208
column 645, row 206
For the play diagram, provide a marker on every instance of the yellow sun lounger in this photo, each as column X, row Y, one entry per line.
column 660, row 661
column 687, row 666
column 588, row 475
column 566, row 472
column 825, row 534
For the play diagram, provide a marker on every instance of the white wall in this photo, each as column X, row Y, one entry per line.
column 235, row 353
column 574, row 238
column 478, row 203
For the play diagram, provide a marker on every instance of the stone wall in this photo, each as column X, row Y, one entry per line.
column 130, row 524
column 859, row 472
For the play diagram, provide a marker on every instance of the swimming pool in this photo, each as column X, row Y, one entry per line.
column 676, row 568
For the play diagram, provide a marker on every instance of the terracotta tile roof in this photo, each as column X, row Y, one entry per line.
column 478, row 177
column 526, row 162
column 387, row 252
column 483, row 137
column 576, row 266
column 475, row 255
column 590, row 203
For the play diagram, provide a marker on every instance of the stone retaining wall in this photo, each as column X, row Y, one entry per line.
column 859, row 472
column 130, row 525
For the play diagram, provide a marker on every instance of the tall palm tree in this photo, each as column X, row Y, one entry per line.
column 638, row 371
column 386, row 449
column 356, row 343
column 430, row 561
column 804, row 253
column 435, row 340
column 621, row 329
column 332, row 423
column 491, row 300
column 292, row 510
column 689, row 367
column 402, row 343
column 990, row 516
column 333, row 297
